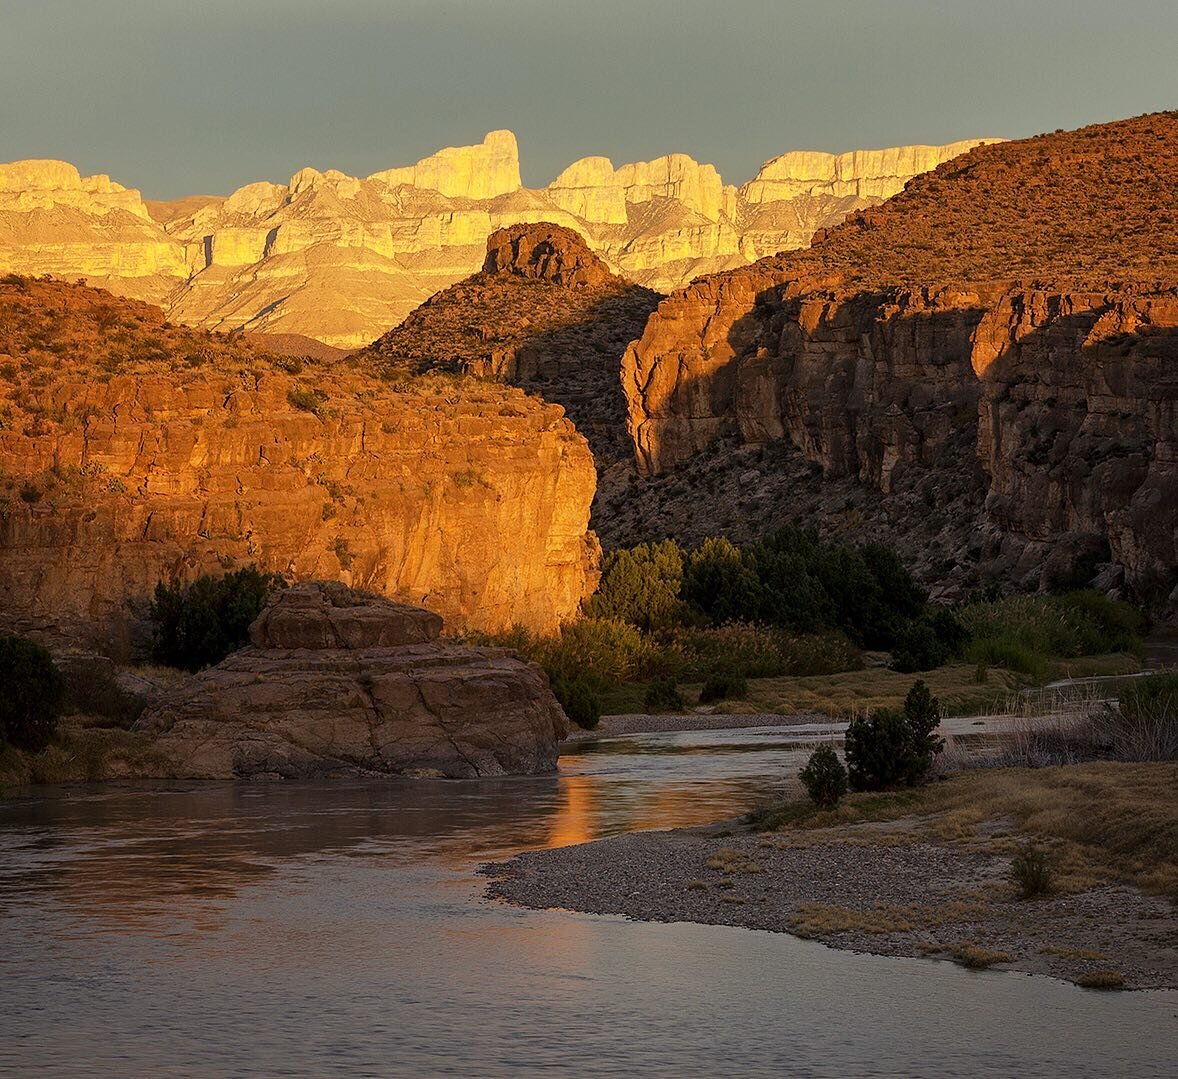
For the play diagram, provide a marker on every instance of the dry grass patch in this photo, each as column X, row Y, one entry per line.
column 955, row 685
column 819, row 919
column 1106, row 822
column 728, row 860
column 975, row 957
column 1101, row 979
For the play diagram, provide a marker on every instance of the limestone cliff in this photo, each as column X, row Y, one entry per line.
column 134, row 451
column 342, row 258
column 1021, row 296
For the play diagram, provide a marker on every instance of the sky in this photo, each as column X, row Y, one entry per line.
column 200, row 97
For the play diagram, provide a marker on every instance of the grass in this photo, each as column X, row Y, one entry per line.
column 878, row 687
column 79, row 755
column 1104, row 823
column 812, row 920
column 975, row 957
column 1101, row 979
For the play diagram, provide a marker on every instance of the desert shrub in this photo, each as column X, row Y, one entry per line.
column 663, row 696
column 200, row 625
column 723, row 685
column 641, row 586
column 579, row 701
column 90, row 687
column 598, row 650
column 824, row 777
column 891, row 749
column 30, row 703
column 313, row 401
column 1030, row 871
column 1143, row 725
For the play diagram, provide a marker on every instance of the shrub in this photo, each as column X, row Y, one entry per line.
column 891, row 749
column 824, row 777
column 723, row 685
column 1143, row 725
column 878, row 750
column 1030, row 871
column 663, row 696
column 30, row 703
column 200, row 625
column 600, row 651
column 579, row 701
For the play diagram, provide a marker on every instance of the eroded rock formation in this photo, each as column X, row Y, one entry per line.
column 1023, row 295
column 336, row 683
column 340, row 258
column 134, row 451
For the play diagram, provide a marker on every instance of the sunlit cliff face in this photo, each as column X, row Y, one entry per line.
column 342, row 258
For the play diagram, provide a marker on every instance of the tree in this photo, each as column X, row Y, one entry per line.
column 923, row 712
column 31, row 691
column 200, row 625
column 641, row 586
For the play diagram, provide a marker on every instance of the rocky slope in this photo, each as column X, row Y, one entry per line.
column 342, row 258
column 336, row 683
column 544, row 313
column 134, row 451
column 1021, row 297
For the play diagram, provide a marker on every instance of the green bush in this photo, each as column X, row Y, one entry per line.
column 200, row 625
column 724, row 685
column 890, row 749
column 824, row 777
column 31, row 697
column 601, row 651
column 641, row 586
column 1023, row 633
column 663, row 696
column 579, row 701
column 1030, row 871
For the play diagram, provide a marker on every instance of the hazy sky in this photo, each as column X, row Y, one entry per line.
column 202, row 96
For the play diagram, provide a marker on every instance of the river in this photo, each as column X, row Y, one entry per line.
column 323, row 930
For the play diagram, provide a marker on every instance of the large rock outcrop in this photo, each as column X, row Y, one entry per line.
column 544, row 313
column 133, row 451
column 336, row 683
column 341, row 258
column 1022, row 296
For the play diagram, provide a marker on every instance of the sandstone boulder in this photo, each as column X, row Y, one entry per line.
column 339, row 683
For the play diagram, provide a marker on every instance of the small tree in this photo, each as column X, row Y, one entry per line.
column 724, row 685
column 892, row 749
column 824, row 777
column 923, row 712
column 30, row 694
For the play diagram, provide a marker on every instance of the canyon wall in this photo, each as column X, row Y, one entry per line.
column 132, row 452
column 1022, row 295
column 341, row 258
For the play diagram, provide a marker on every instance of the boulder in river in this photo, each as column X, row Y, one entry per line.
column 336, row 682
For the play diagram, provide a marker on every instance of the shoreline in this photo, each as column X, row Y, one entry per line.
column 911, row 887
column 614, row 726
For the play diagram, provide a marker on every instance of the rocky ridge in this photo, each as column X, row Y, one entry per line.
column 544, row 313
column 1021, row 296
column 337, row 683
column 134, row 451
column 341, row 258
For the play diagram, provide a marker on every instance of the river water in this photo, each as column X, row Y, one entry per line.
column 322, row 930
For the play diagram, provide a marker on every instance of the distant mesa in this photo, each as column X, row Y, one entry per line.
column 341, row 259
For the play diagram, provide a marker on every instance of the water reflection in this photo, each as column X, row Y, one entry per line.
column 339, row 929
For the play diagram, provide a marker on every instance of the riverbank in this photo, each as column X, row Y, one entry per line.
column 918, row 873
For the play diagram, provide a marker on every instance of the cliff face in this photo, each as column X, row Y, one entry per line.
column 132, row 451
column 1024, row 291
column 342, row 258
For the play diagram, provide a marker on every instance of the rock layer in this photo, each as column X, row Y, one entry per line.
column 335, row 683
column 1025, row 291
column 132, row 451
column 341, row 258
